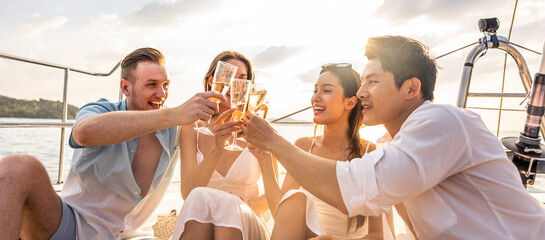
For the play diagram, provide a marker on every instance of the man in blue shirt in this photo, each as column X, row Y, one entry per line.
column 124, row 160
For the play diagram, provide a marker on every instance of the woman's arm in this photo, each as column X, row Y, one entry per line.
column 270, row 180
column 269, row 171
column 193, row 174
column 261, row 204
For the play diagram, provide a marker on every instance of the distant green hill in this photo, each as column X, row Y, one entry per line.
column 18, row 108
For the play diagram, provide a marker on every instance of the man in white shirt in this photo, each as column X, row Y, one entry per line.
column 443, row 163
column 124, row 160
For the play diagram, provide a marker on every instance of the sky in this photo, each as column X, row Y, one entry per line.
column 289, row 39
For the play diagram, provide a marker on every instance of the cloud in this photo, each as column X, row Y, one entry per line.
column 102, row 24
column 275, row 55
column 152, row 16
column 309, row 76
column 453, row 24
column 38, row 25
column 399, row 11
column 156, row 14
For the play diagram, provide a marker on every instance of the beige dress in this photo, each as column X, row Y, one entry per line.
column 220, row 202
column 322, row 218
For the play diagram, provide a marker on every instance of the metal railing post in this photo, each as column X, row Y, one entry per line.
column 63, row 125
column 120, row 90
column 63, row 129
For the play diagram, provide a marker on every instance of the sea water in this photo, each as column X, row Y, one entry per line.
column 44, row 144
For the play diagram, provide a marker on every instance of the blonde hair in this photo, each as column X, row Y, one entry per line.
column 130, row 62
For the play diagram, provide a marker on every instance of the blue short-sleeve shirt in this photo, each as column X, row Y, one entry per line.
column 100, row 185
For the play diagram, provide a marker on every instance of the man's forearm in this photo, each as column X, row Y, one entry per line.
column 117, row 127
column 315, row 174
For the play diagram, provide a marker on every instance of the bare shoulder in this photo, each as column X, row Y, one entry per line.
column 367, row 145
column 304, row 143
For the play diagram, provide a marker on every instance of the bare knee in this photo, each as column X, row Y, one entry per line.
column 292, row 207
column 28, row 196
column 22, row 168
column 21, row 160
column 290, row 219
column 297, row 201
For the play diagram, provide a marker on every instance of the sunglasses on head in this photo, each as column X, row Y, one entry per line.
column 346, row 66
column 338, row 65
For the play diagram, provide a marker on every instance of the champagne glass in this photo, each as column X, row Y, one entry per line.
column 260, row 94
column 223, row 75
column 240, row 88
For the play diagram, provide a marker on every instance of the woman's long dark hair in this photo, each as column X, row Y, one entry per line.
column 350, row 81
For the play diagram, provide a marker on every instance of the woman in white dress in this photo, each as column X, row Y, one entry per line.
column 298, row 214
column 220, row 187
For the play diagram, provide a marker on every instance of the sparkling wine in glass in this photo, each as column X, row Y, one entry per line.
column 260, row 94
column 220, row 87
column 257, row 98
column 223, row 75
column 240, row 88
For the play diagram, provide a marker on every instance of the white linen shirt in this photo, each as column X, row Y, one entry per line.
column 101, row 189
column 453, row 176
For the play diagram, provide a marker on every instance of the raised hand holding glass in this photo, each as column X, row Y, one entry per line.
column 223, row 75
column 240, row 88
column 260, row 94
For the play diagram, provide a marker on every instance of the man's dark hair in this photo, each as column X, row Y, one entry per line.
column 405, row 58
column 140, row 55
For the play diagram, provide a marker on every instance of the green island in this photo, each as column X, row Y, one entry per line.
column 42, row 108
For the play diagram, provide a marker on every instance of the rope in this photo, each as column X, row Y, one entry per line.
column 456, row 50
column 291, row 114
column 505, row 68
column 495, row 109
column 523, row 47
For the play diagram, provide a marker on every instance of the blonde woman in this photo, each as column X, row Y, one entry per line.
column 220, row 187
